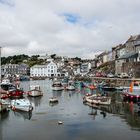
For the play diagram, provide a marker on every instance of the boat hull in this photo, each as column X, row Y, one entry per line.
column 35, row 93
column 98, row 100
column 53, row 100
column 22, row 108
column 21, row 104
column 70, row 88
column 57, row 88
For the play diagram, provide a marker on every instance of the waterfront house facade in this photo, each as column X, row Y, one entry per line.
column 52, row 69
column 48, row 70
column 9, row 69
column 23, row 69
column 125, row 57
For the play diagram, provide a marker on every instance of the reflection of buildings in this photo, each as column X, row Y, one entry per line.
column 57, row 93
column 127, row 111
column 132, row 116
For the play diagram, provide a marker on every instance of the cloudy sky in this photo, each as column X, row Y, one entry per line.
column 72, row 28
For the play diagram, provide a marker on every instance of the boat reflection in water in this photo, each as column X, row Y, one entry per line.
column 53, row 104
column 79, row 121
column 57, row 93
column 4, row 116
column 128, row 111
column 24, row 115
column 35, row 101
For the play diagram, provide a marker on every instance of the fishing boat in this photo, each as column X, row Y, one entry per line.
column 35, row 91
column 108, row 88
column 7, row 86
column 70, row 86
column 94, row 99
column 53, row 100
column 57, row 85
column 132, row 93
column 10, row 90
column 21, row 104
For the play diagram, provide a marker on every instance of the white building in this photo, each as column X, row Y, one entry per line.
column 48, row 70
column 85, row 68
column 11, row 69
column 52, row 69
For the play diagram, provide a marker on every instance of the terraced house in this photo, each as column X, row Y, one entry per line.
column 125, row 58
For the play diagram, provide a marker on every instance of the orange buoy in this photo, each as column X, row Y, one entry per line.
column 131, row 87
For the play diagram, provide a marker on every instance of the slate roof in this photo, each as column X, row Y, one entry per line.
column 129, row 55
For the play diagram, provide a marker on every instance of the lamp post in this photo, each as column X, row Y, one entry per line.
column 0, row 64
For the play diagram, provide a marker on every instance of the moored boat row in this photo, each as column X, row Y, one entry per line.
column 60, row 85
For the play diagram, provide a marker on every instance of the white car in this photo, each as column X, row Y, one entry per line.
column 110, row 75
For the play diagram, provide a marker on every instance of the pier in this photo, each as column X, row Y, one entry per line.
column 116, row 81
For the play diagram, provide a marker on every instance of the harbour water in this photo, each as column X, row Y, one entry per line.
column 80, row 122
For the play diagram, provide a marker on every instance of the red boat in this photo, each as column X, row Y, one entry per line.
column 10, row 91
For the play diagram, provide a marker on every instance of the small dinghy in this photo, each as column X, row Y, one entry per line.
column 60, row 122
column 94, row 99
column 53, row 100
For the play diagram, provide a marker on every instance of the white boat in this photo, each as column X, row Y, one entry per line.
column 70, row 86
column 35, row 91
column 53, row 100
column 57, row 85
column 21, row 104
column 5, row 81
column 94, row 99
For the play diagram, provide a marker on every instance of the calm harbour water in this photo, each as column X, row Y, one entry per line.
column 80, row 122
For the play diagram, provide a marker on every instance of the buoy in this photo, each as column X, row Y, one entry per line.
column 131, row 87
column 60, row 122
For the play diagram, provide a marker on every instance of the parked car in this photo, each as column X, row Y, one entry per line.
column 110, row 75
column 124, row 75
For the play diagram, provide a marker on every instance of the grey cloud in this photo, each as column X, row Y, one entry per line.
column 37, row 26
